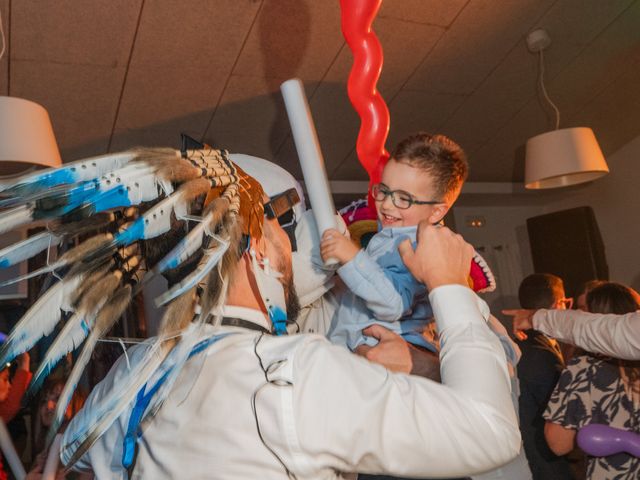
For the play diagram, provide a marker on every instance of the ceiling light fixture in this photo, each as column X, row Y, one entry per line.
column 26, row 135
column 561, row 157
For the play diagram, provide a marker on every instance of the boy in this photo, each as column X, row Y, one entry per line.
column 421, row 181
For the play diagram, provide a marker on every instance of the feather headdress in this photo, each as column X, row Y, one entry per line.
column 131, row 216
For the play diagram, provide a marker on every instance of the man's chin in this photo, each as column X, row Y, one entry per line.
column 293, row 302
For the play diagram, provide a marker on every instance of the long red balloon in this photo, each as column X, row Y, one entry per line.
column 357, row 17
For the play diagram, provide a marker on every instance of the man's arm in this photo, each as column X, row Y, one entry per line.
column 614, row 335
column 357, row 416
column 397, row 355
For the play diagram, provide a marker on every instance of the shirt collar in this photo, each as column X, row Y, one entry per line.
column 397, row 231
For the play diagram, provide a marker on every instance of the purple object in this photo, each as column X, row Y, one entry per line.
column 602, row 440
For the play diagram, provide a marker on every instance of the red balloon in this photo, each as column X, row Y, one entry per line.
column 357, row 17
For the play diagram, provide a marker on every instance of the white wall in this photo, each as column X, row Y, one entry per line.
column 503, row 242
column 615, row 200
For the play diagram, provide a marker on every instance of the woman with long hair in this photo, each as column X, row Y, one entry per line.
column 598, row 389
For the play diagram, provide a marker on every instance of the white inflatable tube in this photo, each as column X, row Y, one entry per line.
column 53, row 458
column 310, row 155
column 10, row 454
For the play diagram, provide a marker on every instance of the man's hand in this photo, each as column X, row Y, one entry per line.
column 395, row 354
column 392, row 352
column 441, row 257
column 522, row 320
column 336, row 245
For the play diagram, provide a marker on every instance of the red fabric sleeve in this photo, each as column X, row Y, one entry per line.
column 11, row 405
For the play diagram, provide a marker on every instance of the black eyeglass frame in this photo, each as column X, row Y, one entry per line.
column 381, row 188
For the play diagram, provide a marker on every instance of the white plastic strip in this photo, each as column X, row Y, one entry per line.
column 310, row 155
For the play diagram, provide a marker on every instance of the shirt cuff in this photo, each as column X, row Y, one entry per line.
column 352, row 270
column 457, row 305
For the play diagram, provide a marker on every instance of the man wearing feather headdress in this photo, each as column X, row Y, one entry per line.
column 222, row 392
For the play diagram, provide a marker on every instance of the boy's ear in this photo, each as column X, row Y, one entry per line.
column 438, row 213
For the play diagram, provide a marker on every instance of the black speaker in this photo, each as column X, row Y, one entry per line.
column 568, row 244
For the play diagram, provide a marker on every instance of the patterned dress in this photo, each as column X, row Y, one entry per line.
column 595, row 389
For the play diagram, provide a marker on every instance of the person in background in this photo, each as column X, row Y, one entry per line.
column 11, row 393
column 538, row 372
column 581, row 298
column 598, row 389
column 47, row 408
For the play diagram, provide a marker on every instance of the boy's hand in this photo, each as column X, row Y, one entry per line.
column 336, row 245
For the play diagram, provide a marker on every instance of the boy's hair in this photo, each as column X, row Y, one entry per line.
column 610, row 297
column 439, row 156
column 540, row 290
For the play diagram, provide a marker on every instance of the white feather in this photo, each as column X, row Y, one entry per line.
column 40, row 319
column 28, row 248
column 70, row 337
column 80, row 170
column 211, row 258
column 114, row 402
column 15, row 217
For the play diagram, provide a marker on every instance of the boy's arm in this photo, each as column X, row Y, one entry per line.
column 387, row 294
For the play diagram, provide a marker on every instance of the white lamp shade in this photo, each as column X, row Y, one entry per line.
column 26, row 137
column 563, row 157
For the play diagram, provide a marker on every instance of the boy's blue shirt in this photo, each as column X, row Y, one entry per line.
column 382, row 290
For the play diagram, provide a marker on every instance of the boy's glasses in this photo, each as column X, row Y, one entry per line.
column 400, row 198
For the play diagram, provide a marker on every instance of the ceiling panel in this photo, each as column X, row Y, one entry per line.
column 177, row 74
column 251, row 118
column 398, row 37
column 99, row 32
column 81, row 101
column 612, row 53
column 350, row 169
column 510, row 86
column 616, row 48
column 429, row 12
column 175, row 33
column 615, row 118
column 212, row 68
column 478, row 40
column 292, row 38
column 162, row 102
column 336, row 121
column 413, row 111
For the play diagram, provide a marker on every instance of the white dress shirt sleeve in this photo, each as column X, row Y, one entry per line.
column 357, row 416
column 614, row 335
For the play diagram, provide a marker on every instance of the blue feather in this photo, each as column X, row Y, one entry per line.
column 70, row 337
column 28, row 248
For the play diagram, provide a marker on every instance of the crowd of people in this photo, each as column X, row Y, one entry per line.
column 477, row 403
